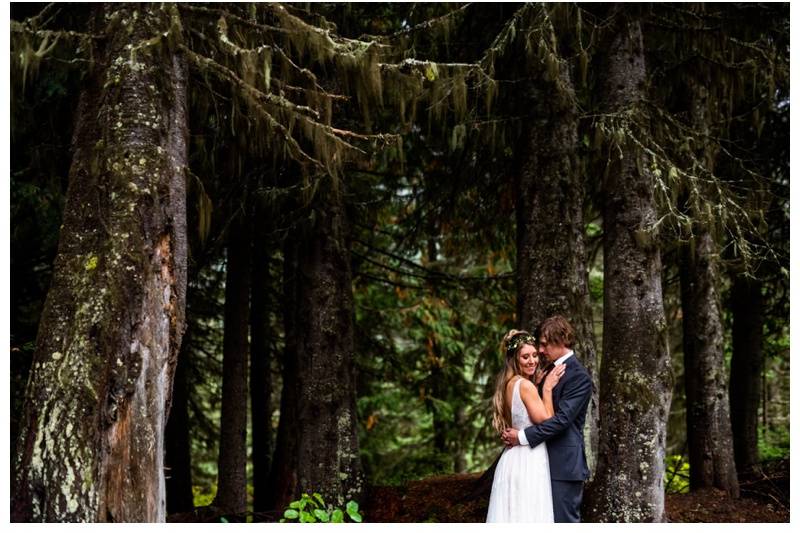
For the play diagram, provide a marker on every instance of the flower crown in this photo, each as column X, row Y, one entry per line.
column 518, row 340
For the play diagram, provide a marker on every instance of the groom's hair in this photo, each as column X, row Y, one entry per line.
column 558, row 330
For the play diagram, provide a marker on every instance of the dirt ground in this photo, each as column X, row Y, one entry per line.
column 764, row 498
column 455, row 498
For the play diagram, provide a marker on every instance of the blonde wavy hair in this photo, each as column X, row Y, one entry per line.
column 501, row 413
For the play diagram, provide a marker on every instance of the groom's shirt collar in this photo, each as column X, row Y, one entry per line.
column 563, row 358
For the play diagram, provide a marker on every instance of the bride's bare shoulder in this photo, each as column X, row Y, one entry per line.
column 512, row 383
column 527, row 389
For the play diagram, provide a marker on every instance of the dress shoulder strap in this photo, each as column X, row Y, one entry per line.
column 517, row 393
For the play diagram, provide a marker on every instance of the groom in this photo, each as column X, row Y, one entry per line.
column 564, row 431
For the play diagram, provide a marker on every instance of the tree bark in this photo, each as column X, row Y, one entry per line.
column 635, row 370
column 708, row 422
column 747, row 306
column 328, row 460
column 260, row 364
column 180, row 498
column 283, row 471
column 91, row 443
column 231, row 495
column 436, row 389
column 436, row 382
column 551, row 270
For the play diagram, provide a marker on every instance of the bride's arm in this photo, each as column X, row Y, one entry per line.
column 540, row 409
column 547, row 400
column 537, row 410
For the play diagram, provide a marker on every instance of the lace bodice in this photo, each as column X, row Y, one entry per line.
column 519, row 414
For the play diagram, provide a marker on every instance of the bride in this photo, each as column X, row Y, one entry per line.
column 521, row 488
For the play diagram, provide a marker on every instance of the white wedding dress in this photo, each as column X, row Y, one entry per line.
column 521, row 489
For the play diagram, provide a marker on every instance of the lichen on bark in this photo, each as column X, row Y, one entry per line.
column 635, row 373
column 327, row 460
column 112, row 323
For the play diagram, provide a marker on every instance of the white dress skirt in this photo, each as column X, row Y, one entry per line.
column 521, row 489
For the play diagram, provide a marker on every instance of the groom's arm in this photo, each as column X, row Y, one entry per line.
column 574, row 398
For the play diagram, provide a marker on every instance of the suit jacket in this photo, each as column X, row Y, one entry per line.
column 564, row 431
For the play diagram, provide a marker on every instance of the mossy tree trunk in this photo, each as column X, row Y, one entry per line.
column 231, row 495
column 91, row 441
column 747, row 307
column 708, row 422
column 178, row 443
column 551, row 270
column 327, row 460
column 261, row 362
column 635, row 372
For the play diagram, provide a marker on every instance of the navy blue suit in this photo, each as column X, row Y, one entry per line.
column 564, row 436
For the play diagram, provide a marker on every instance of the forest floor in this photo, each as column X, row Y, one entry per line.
column 465, row 498
column 764, row 498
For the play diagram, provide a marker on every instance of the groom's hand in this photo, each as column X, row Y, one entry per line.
column 510, row 437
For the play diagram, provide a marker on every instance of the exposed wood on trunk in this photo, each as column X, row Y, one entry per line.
column 91, row 444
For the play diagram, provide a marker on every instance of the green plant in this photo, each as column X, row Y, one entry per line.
column 773, row 442
column 312, row 508
column 676, row 476
column 204, row 495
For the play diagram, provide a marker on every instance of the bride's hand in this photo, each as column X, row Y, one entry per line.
column 554, row 376
column 538, row 375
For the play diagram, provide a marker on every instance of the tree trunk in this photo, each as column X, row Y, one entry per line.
column 708, row 423
column 551, row 273
column 436, row 390
column 91, row 442
column 635, row 371
column 260, row 365
column 178, row 443
column 460, row 453
column 232, row 465
column 436, row 382
column 328, row 460
column 747, row 306
column 282, row 483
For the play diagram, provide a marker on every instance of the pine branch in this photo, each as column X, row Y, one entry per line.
column 254, row 97
column 422, row 26
column 386, row 281
column 432, row 275
column 221, row 13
